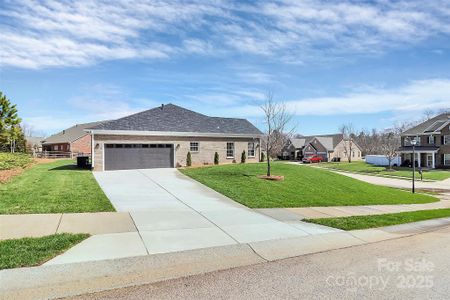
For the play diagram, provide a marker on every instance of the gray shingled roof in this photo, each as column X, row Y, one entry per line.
column 34, row 140
column 70, row 134
column 298, row 143
column 329, row 141
column 427, row 126
column 173, row 118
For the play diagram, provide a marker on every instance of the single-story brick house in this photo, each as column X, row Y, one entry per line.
column 330, row 147
column 73, row 141
column 162, row 137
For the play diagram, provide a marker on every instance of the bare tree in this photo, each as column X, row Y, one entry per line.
column 428, row 114
column 390, row 142
column 276, row 119
column 348, row 132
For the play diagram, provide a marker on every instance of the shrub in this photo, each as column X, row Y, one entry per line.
column 262, row 157
column 188, row 159
column 243, row 157
column 216, row 158
column 14, row 160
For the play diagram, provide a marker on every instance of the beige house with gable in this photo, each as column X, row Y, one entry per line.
column 162, row 137
column 330, row 147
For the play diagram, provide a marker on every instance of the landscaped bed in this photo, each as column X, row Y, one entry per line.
column 27, row 252
column 364, row 222
column 302, row 186
column 365, row 168
column 54, row 187
column 10, row 161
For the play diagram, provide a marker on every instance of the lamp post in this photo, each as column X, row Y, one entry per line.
column 414, row 143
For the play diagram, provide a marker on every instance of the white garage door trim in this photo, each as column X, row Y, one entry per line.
column 173, row 147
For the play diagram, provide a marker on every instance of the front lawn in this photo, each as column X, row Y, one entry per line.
column 28, row 252
column 14, row 160
column 364, row 222
column 54, row 187
column 303, row 186
column 365, row 168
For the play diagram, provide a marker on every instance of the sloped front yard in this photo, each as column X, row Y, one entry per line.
column 53, row 188
column 303, row 186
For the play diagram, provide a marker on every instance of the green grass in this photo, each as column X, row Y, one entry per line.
column 53, row 188
column 364, row 222
column 365, row 168
column 14, row 160
column 28, row 252
column 302, row 186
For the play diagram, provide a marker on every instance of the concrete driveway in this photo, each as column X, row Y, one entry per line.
column 173, row 212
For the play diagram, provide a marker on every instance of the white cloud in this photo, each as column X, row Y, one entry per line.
column 417, row 96
column 50, row 33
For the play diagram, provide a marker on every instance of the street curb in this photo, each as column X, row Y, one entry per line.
column 57, row 281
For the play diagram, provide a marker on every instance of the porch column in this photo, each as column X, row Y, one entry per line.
column 419, row 159
column 433, row 166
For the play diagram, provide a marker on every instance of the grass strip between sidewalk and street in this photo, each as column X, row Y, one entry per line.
column 28, row 252
column 374, row 221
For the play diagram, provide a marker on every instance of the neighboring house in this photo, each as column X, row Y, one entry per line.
column 34, row 144
column 330, row 147
column 163, row 136
column 73, row 141
column 433, row 143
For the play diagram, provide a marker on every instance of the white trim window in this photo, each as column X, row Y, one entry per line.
column 431, row 140
column 251, row 149
column 446, row 139
column 447, row 159
column 230, row 150
column 194, row 147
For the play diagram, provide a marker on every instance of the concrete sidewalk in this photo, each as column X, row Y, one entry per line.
column 36, row 225
column 291, row 214
column 394, row 182
column 57, row 281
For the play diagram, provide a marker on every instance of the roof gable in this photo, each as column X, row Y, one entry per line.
column 432, row 125
column 173, row 118
column 70, row 134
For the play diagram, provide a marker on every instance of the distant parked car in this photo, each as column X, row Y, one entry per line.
column 312, row 159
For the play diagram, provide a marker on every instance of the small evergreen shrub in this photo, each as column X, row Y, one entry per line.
column 189, row 159
column 243, row 157
column 216, row 158
column 262, row 157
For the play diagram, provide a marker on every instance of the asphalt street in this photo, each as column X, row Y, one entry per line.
column 416, row 267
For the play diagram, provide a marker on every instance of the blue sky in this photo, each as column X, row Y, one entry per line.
column 371, row 63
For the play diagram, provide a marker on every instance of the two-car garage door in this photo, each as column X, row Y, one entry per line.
column 138, row 156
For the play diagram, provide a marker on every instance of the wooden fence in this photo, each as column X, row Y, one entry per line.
column 59, row 154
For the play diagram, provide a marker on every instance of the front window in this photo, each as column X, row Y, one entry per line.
column 431, row 140
column 446, row 139
column 251, row 150
column 194, row 147
column 230, row 150
column 447, row 159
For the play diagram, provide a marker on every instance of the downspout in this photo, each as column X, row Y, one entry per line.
column 92, row 151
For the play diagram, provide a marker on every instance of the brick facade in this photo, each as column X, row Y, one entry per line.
column 438, row 141
column 205, row 156
column 82, row 145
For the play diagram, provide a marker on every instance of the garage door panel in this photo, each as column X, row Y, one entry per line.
column 121, row 158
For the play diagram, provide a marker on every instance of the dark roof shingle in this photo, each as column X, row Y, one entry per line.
column 430, row 125
column 173, row 118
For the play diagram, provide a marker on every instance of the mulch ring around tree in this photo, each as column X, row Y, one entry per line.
column 271, row 177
